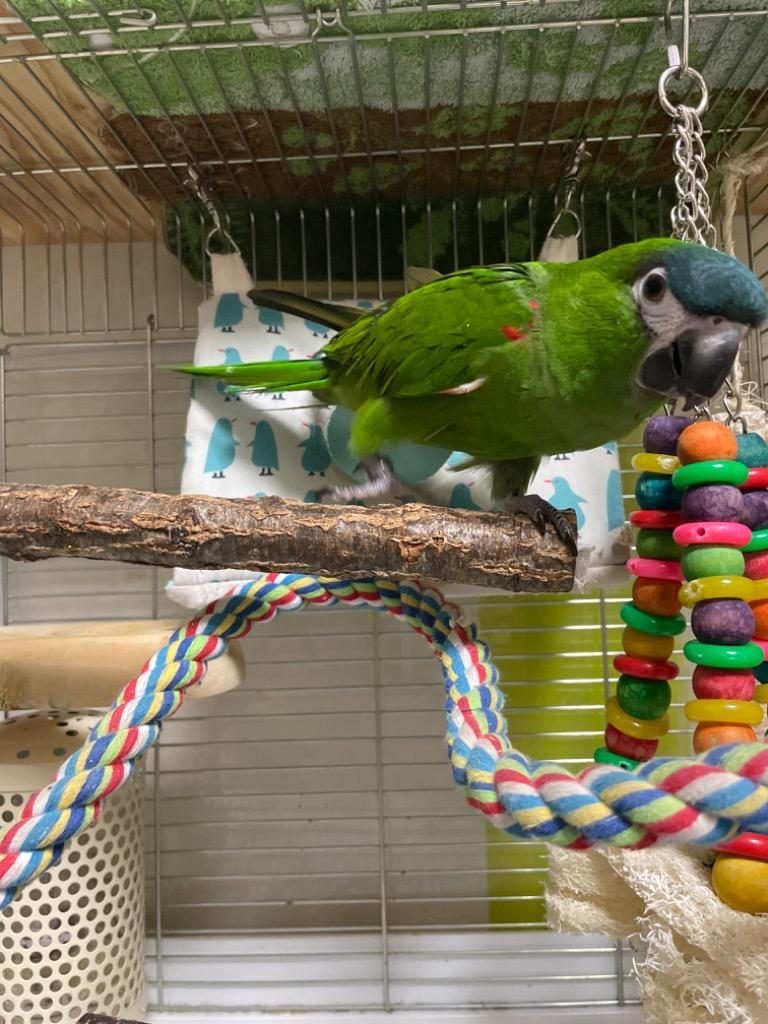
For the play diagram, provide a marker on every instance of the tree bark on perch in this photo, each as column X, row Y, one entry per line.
column 195, row 531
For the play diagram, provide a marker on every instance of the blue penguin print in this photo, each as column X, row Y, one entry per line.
column 221, row 449
column 562, row 457
column 272, row 319
column 312, row 496
column 457, row 460
column 611, row 448
column 231, row 358
column 462, row 498
column 565, row 497
column 318, row 330
column 264, row 448
column 614, row 502
column 316, row 458
column 229, row 311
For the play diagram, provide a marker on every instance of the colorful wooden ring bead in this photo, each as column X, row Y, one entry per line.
column 655, row 519
column 706, row 440
column 721, row 656
column 643, row 645
column 710, row 472
column 730, row 534
column 748, row 844
column 643, row 698
column 725, row 621
column 708, row 588
column 734, row 712
column 752, row 450
column 760, row 611
column 757, row 479
column 657, row 597
column 761, row 693
column 712, row 561
column 762, row 644
column 655, row 569
column 718, row 734
column 722, row 683
column 640, row 728
column 645, row 668
column 629, row 746
column 712, row 503
column 757, row 542
column 605, row 756
column 760, row 590
column 656, row 625
column 756, row 565
column 651, row 462
column 654, row 490
column 662, row 433
column 741, row 883
column 657, row 544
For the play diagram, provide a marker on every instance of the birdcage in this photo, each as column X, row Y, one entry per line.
column 305, row 849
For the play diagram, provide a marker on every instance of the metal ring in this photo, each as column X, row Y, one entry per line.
column 226, row 235
column 671, row 108
column 559, row 216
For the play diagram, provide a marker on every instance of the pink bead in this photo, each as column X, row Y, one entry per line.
column 655, row 569
column 763, row 644
column 722, row 683
column 734, row 534
column 756, row 565
column 627, row 746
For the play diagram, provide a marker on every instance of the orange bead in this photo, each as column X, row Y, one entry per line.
column 760, row 609
column 657, row 597
column 715, row 734
column 705, row 440
column 644, row 645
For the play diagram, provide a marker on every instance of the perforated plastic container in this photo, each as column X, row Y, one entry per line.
column 73, row 940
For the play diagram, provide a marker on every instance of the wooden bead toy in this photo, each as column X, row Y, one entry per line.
column 717, row 734
column 706, row 440
column 741, row 883
column 657, row 597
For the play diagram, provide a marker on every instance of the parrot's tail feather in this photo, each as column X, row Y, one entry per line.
column 280, row 375
column 324, row 313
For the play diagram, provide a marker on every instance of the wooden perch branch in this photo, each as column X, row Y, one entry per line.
column 195, row 531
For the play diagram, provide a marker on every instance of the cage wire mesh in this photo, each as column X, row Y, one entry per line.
column 305, row 847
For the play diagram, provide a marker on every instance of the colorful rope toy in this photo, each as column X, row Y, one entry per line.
column 706, row 800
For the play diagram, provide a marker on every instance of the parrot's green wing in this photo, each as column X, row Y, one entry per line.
column 431, row 340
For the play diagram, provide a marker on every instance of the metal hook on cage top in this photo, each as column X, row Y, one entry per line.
column 574, row 167
column 334, row 20
column 733, row 401
column 193, row 180
column 137, row 17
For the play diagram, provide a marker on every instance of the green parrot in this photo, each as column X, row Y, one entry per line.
column 510, row 363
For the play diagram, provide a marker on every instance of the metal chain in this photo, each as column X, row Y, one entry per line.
column 691, row 215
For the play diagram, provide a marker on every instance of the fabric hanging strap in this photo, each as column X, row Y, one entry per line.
column 229, row 273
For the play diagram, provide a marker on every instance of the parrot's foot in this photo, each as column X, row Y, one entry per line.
column 381, row 483
column 541, row 512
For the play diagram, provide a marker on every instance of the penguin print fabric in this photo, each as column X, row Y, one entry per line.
column 247, row 446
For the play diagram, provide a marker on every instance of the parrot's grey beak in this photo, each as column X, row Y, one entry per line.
column 694, row 365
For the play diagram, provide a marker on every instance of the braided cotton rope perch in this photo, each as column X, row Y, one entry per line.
column 703, row 800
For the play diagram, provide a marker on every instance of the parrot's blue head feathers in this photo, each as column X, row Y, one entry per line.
column 711, row 283
column 696, row 305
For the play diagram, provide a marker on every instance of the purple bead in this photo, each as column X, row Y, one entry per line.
column 723, row 622
column 713, row 503
column 755, row 509
column 661, row 433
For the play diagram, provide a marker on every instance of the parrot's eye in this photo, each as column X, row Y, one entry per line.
column 654, row 287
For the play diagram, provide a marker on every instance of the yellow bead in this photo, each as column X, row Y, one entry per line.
column 740, row 712
column 761, row 693
column 760, row 590
column 644, row 645
column 741, row 883
column 708, row 587
column 647, row 462
column 640, row 728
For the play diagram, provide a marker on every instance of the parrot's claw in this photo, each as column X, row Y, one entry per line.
column 381, row 483
column 541, row 513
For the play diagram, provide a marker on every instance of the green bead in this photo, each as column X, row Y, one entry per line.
column 605, row 756
column 712, row 560
column 658, row 544
column 656, row 625
column 716, row 471
column 759, row 541
column 643, row 698
column 717, row 656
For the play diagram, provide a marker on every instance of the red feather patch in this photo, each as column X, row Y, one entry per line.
column 513, row 333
